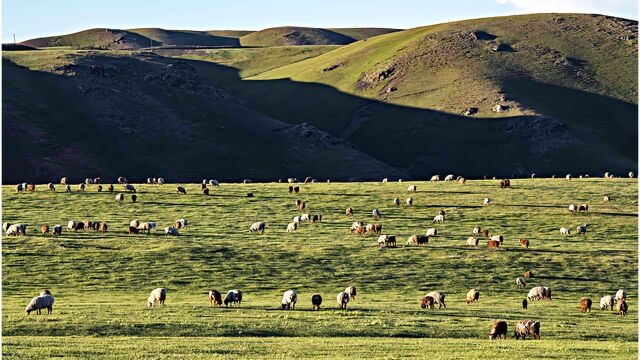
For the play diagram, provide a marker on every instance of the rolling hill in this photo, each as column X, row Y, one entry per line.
column 409, row 103
column 291, row 35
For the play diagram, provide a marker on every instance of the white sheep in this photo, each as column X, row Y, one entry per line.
column 476, row 231
column 71, row 225
column 582, row 229
column 449, row 177
column 16, row 229
column 396, row 202
column 435, row 178
column 120, row 198
column 472, row 241
column 134, row 223
column 409, row 201
column 214, row 183
column 171, row 231
column 385, row 180
column 432, row 232
column 233, row 298
column 376, row 213
column 564, row 231
column 621, row 295
column 486, row 201
column 297, row 219
column 607, row 302
column 257, row 227
column 572, row 208
column 438, row 298
column 305, row 217
column 499, row 238
column 536, row 293
column 292, row 227
column 289, row 300
column 180, row 223
column 43, row 301
column 160, row 181
column 631, row 174
column 342, row 299
column 520, row 282
column 412, row 189
column 157, row 296
column 568, row 177
column 438, row 219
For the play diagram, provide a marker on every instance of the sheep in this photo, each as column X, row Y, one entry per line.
column 498, row 238
column 44, row 229
column 582, row 229
column 528, row 274
column 71, row 225
column 129, row 187
column 305, row 217
column 376, row 213
column 583, row 208
column 214, row 183
column 160, row 181
column 432, row 232
column 205, row 191
column 149, row 181
column 525, row 303
column 180, row 223
column 438, row 219
column 103, row 227
column 351, row 290
column 606, row 302
column 63, row 181
column 43, row 301
column 122, row 180
column 233, row 298
column 302, row 205
column 316, row 218
column 418, row 240
column 427, row 302
column 298, row 202
column 396, row 202
column 157, row 296
column 606, row 199
column 572, row 208
column 498, row 329
column 144, row 227
column 493, row 244
column 296, row 189
column 342, row 299
column 585, row 305
column 412, row 189
column 622, row 307
column 110, row 188
column 51, row 187
column 181, row 190
column 377, row 228
column 462, row 181
column 316, row 301
column 386, row 240
column 435, row 178
column 257, row 227
column 16, row 229
column 290, row 189
column 485, row 233
column 79, row 226
column 438, row 298
column 536, row 293
column 621, row 295
column 631, row 174
column 409, row 201
column 133, row 230
column 520, row 282
column 134, row 223
column 297, row 219
column 607, row 175
column 505, row 183
column 449, row 177
column 349, row 211
column 473, row 295
column 19, row 188
column 99, row 188
column 171, row 231
column 292, row 180
column 292, row 227
column 472, row 241
column 523, row 328
column 369, row 228
column 524, row 243
column 5, row 226
column 81, row 187
column 88, row 181
column 565, row 231
column 486, row 201
column 289, row 300
column 57, row 229
column 476, row 231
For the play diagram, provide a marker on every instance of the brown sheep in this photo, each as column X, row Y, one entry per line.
column 524, row 243
column 103, row 227
column 296, row 189
column 622, row 307
column 528, row 274
column 302, row 205
column 427, row 302
column 377, row 228
column 498, row 329
column 45, row 229
column 493, row 244
column 298, row 202
column 215, row 298
column 505, row 183
column 585, row 305
column 348, row 211
column 205, row 191
column 133, row 230
column 485, row 233
column 360, row 230
column 203, row 186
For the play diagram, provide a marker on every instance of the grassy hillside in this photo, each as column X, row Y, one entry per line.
column 186, row 37
column 94, row 39
column 291, row 35
column 362, row 33
column 102, row 281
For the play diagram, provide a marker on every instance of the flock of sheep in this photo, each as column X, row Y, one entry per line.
column 290, row 297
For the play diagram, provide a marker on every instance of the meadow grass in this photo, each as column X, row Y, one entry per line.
column 101, row 281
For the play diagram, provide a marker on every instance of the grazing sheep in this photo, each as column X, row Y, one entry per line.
column 305, row 217
column 387, row 240
column 523, row 328
column 528, row 274
column 51, row 187
column 498, row 329
column 205, row 191
column 16, row 229
column 149, row 181
column 498, row 238
column 57, row 229
column 104, row 227
column 520, row 282
column 348, row 211
column 427, row 302
column 122, row 180
column 412, row 189
column 43, row 301
column 493, row 244
column 180, row 223
column 292, row 227
column 297, row 219
column 525, row 303
column 476, row 231
column 505, row 183
column 409, row 201
column 214, row 183
column 316, row 301
column 71, row 225
column 462, row 181
column 622, row 307
column 157, row 296
column 607, row 199
column 486, row 201
column 472, row 241
column 438, row 219
column 606, row 302
column 351, row 290
column 524, row 243
column 585, row 305
column 233, row 298
column 536, row 293
column 19, row 188
column 564, row 231
column 81, row 187
column 418, row 240
column 568, row 177
column 473, row 295
column 290, row 189
column 432, row 232
column 435, row 178
column 583, row 208
column 369, row 228
column 449, row 177
column 79, row 226
column 129, row 187
column 298, row 202
column 302, row 206
column 316, row 218
column 134, row 223
column 572, row 208
column 63, row 181
column 45, row 229
column 289, row 300
column 110, row 188
column 396, row 202
column 120, row 198
column 582, row 229
column 160, row 181
column 133, row 230
column 607, row 175
column 88, row 181
column 621, row 295
column 376, row 213
column 485, row 233
column 181, row 190
column 171, row 231
column 257, row 227
column 631, row 174
column 438, row 298
column 342, row 299
column 296, row 189
column 144, row 227
column 99, row 188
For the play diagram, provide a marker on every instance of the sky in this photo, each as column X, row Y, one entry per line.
column 35, row 18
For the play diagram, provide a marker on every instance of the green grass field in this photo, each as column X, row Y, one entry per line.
column 101, row 281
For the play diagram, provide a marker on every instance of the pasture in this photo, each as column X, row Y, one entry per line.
column 101, row 281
